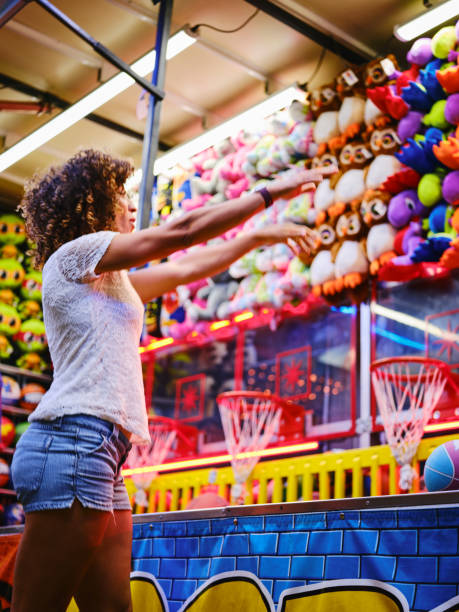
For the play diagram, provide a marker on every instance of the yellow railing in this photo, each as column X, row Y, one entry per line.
column 331, row 475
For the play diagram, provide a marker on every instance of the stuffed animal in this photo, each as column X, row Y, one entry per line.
column 12, row 229
column 10, row 321
column 381, row 235
column 11, row 274
column 351, row 264
column 406, row 242
column 324, row 99
column 447, row 151
column 380, row 169
column 322, row 270
column 403, row 207
column 31, row 286
column 31, row 340
column 420, row 52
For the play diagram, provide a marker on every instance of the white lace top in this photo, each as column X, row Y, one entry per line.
column 93, row 325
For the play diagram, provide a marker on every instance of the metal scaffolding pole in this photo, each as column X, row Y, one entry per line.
column 151, row 136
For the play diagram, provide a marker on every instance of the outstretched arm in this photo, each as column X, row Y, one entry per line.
column 199, row 225
column 161, row 278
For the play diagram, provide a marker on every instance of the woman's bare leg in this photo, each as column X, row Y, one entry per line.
column 56, row 549
column 105, row 586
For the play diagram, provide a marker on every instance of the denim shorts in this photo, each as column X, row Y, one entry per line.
column 74, row 456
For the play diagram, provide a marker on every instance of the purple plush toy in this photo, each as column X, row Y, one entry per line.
column 420, row 52
column 409, row 125
column 450, row 188
column 403, row 207
column 452, row 109
column 411, row 239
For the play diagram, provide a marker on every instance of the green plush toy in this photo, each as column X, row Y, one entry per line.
column 32, row 336
column 5, row 348
column 10, row 321
column 11, row 274
column 429, row 189
column 9, row 297
column 32, row 285
column 31, row 340
column 11, row 251
column 12, row 229
column 30, row 309
column 436, row 116
column 443, row 42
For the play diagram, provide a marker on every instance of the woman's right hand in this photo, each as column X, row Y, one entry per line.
column 296, row 177
column 299, row 238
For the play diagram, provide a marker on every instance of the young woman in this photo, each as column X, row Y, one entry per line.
column 66, row 468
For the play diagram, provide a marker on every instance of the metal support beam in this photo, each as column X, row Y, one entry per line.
column 324, row 40
column 150, row 142
column 10, row 8
column 57, row 102
column 100, row 48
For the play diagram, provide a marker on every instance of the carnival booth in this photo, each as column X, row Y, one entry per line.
column 303, row 411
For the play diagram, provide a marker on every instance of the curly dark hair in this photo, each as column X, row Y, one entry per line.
column 79, row 197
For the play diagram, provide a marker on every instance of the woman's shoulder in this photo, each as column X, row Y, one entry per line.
column 81, row 244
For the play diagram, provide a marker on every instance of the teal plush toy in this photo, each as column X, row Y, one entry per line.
column 12, row 229
column 11, row 274
column 10, row 321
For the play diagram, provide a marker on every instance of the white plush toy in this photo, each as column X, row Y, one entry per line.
column 326, row 127
column 351, row 112
column 380, row 169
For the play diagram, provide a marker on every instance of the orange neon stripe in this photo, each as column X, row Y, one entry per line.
column 178, row 465
column 442, row 426
column 219, row 325
column 243, row 316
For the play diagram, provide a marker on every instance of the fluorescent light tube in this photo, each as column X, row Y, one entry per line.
column 427, row 21
column 247, row 119
column 114, row 86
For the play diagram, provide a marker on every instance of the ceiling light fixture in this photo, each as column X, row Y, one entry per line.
column 246, row 119
column 114, row 86
column 427, row 21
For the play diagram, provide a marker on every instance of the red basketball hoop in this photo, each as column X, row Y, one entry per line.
column 407, row 390
column 250, row 420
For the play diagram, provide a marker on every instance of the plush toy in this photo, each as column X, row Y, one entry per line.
column 448, row 77
column 322, row 270
column 11, row 274
column 420, row 52
column 380, row 169
column 12, row 229
column 450, row 188
column 31, row 287
column 30, row 309
column 324, row 99
column 219, row 292
column 403, row 207
column 11, row 251
column 244, row 297
column 406, row 242
column 447, row 151
column 6, row 349
column 326, row 127
column 384, row 140
column 452, row 109
column 429, row 188
column 7, row 296
column 10, row 321
column 349, row 83
column 409, row 125
column 443, row 41
column 436, row 116
column 381, row 235
column 351, row 264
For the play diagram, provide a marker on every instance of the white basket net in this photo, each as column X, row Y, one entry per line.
column 149, row 455
column 249, row 424
column 407, row 391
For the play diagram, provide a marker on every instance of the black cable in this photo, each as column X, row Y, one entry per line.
column 304, row 85
column 196, row 27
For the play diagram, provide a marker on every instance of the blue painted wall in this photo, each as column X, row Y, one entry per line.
column 413, row 549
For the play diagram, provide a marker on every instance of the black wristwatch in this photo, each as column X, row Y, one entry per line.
column 267, row 197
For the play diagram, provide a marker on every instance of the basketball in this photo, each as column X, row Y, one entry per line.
column 10, row 390
column 7, row 431
column 31, row 394
column 441, row 470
